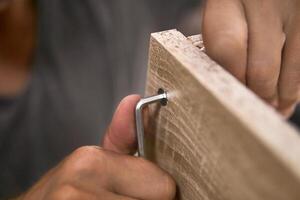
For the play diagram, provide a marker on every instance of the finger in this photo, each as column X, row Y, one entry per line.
column 120, row 137
column 265, row 43
column 95, row 170
column 289, row 84
column 138, row 178
column 225, row 35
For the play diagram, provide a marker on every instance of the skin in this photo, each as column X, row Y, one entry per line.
column 109, row 172
column 258, row 41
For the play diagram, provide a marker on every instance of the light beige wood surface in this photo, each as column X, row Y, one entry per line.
column 217, row 139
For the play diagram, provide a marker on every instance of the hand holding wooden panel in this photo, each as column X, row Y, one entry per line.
column 217, row 138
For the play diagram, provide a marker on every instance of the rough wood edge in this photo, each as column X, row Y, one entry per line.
column 196, row 40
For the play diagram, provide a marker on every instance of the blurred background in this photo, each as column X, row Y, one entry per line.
column 64, row 66
column 76, row 61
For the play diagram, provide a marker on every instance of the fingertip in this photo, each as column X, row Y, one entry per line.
column 272, row 101
column 128, row 103
column 287, row 111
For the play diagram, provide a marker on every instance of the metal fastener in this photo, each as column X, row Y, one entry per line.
column 163, row 99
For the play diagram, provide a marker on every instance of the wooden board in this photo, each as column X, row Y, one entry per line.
column 217, row 139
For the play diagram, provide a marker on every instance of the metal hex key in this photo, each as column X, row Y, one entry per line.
column 163, row 99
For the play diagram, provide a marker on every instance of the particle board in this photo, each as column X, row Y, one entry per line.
column 215, row 137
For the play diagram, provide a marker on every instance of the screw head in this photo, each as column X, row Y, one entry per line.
column 164, row 101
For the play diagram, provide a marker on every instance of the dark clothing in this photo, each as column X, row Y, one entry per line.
column 90, row 53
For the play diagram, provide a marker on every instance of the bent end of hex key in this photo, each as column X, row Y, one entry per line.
column 161, row 97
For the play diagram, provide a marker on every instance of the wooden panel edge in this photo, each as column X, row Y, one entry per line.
column 282, row 139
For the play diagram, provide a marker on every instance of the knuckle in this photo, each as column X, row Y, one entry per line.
column 84, row 159
column 287, row 110
column 87, row 151
column 289, row 97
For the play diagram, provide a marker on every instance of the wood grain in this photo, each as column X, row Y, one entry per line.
column 215, row 137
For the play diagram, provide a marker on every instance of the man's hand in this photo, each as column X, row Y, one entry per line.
column 258, row 41
column 107, row 173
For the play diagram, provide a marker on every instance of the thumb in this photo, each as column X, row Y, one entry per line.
column 120, row 136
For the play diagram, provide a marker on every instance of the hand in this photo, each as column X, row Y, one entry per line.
column 107, row 173
column 258, row 41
